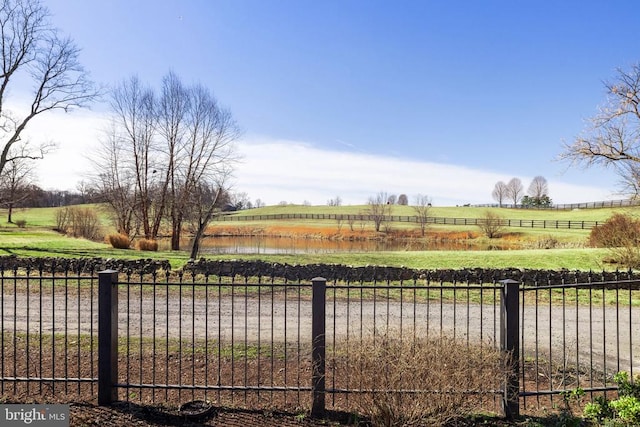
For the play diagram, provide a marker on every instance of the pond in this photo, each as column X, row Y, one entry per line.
column 286, row 245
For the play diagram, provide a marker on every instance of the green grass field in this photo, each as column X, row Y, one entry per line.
column 39, row 239
column 448, row 212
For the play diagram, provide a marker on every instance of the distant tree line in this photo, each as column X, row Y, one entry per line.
column 30, row 195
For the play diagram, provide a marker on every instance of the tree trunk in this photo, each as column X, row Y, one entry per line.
column 175, row 237
column 202, row 226
column 197, row 238
column 195, row 247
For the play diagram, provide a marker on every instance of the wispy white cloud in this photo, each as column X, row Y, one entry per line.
column 280, row 170
column 75, row 136
column 276, row 170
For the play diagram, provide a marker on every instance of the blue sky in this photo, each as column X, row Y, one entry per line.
column 349, row 98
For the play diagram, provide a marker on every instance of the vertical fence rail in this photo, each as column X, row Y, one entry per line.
column 318, row 355
column 510, row 344
column 107, row 337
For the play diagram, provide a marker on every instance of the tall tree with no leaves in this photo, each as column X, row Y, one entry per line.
column 500, row 192
column 135, row 120
column 421, row 208
column 115, row 180
column 378, row 209
column 515, row 190
column 15, row 184
column 161, row 153
column 538, row 188
column 202, row 152
column 33, row 50
column 613, row 137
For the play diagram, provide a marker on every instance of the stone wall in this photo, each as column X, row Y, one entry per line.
column 331, row 272
column 81, row 265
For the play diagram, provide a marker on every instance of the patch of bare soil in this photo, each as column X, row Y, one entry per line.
column 130, row 414
column 147, row 408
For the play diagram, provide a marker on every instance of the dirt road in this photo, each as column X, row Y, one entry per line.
column 587, row 336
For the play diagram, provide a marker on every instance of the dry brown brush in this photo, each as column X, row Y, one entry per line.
column 621, row 234
column 79, row 222
column 422, row 382
column 148, row 245
column 119, row 241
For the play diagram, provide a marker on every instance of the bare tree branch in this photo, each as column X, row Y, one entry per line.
column 613, row 137
column 32, row 48
column 515, row 190
column 165, row 153
column 500, row 192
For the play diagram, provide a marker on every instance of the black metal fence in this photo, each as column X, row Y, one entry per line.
column 48, row 344
column 273, row 342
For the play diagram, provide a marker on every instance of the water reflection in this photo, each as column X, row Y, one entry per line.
column 284, row 245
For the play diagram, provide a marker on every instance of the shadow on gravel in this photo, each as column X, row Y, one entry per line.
column 223, row 416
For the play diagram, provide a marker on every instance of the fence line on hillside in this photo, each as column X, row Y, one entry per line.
column 517, row 223
column 569, row 206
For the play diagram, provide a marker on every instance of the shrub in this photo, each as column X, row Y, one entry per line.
column 618, row 230
column 62, row 220
column 119, row 241
column 148, row 245
column 491, row 224
column 621, row 234
column 78, row 222
column 624, row 411
column 546, row 242
column 21, row 223
column 421, row 381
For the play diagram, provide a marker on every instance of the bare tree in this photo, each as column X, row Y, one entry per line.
column 351, row 219
column 421, row 208
column 403, row 200
column 336, row 201
column 172, row 110
column 515, row 190
column 239, row 200
column 15, row 184
column 115, row 181
column 161, row 152
column 500, row 192
column 378, row 210
column 613, row 137
column 86, row 192
column 134, row 131
column 32, row 49
column 208, row 200
column 392, row 199
column 203, row 153
column 538, row 188
column 491, row 224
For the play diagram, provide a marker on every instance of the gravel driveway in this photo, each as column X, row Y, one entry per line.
column 592, row 336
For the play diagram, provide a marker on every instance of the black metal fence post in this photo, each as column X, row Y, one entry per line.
column 510, row 344
column 318, row 343
column 107, row 337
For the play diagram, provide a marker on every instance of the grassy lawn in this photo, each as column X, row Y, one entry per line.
column 446, row 212
column 39, row 239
